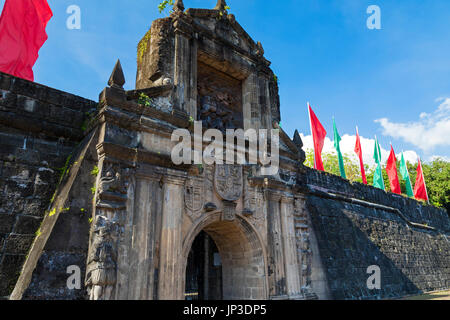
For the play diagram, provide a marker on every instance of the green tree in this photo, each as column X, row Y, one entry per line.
column 437, row 179
column 164, row 4
column 331, row 165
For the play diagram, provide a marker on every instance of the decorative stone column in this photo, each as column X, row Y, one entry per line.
column 276, row 272
column 290, row 248
column 303, row 242
column 140, row 252
column 169, row 282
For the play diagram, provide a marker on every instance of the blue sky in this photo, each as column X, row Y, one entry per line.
column 321, row 50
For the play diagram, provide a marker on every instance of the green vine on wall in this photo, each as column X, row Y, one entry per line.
column 145, row 100
column 95, row 171
column 143, row 46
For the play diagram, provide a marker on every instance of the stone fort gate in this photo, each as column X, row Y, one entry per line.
column 201, row 65
column 197, row 65
column 155, row 230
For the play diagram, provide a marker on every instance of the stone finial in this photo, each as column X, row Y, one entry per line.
column 178, row 6
column 117, row 78
column 298, row 140
column 221, row 4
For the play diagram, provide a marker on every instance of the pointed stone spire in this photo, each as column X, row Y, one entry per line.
column 298, row 140
column 299, row 144
column 178, row 6
column 221, row 4
column 117, row 79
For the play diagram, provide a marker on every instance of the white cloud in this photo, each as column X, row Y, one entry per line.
column 430, row 131
column 432, row 158
column 348, row 146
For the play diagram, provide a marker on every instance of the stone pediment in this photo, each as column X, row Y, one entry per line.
column 224, row 26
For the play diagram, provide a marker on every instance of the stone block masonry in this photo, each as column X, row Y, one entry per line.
column 39, row 128
column 408, row 241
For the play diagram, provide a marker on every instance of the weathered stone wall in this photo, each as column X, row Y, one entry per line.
column 39, row 127
column 408, row 241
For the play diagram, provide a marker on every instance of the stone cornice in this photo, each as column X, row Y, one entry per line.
column 287, row 199
column 156, row 91
column 174, row 178
column 124, row 109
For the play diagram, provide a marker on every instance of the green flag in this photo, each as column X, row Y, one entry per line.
column 337, row 140
column 405, row 175
column 377, row 152
column 378, row 181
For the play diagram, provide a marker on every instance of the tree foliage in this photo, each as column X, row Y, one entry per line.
column 331, row 165
column 163, row 5
column 437, row 175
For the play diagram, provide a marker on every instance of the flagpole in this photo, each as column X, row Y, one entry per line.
column 381, row 166
column 312, row 135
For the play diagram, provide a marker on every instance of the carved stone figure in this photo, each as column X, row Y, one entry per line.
column 102, row 258
column 215, row 115
column 303, row 242
column 114, row 181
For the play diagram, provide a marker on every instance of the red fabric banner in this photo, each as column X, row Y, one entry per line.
column 319, row 134
column 358, row 151
column 420, row 190
column 22, row 34
column 391, row 169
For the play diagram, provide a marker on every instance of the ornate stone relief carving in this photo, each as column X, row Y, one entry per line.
column 114, row 181
column 228, row 181
column 229, row 211
column 255, row 202
column 102, row 259
column 194, row 197
column 303, row 241
column 107, row 229
column 215, row 115
column 219, row 99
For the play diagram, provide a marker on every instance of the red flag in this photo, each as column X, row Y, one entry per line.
column 391, row 169
column 420, row 190
column 22, row 34
column 319, row 134
column 358, row 151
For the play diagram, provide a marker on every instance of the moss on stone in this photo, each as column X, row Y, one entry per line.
column 143, row 45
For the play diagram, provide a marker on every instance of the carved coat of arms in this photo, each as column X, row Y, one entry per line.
column 228, row 181
column 193, row 197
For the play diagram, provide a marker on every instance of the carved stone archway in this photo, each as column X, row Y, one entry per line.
column 242, row 253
